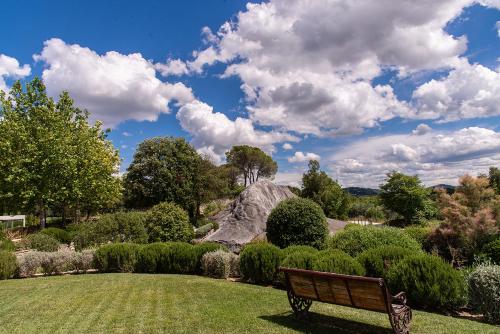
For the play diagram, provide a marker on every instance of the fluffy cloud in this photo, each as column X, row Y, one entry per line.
column 213, row 132
column 437, row 157
column 287, row 146
column 113, row 87
column 422, row 129
column 172, row 67
column 301, row 157
column 304, row 72
column 10, row 68
column 469, row 91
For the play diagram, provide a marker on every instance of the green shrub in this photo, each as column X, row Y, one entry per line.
column 297, row 249
column 354, row 241
column 419, row 233
column 492, row 251
column 206, row 247
column 429, row 281
column 169, row 257
column 5, row 243
column 297, row 221
column 59, row 234
column 8, row 265
column 150, row 257
column 42, row 242
column 484, row 291
column 168, row 222
column 120, row 257
column 336, row 261
column 178, row 258
column 377, row 261
column 115, row 227
column 219, row 264
column 259, row 262
column 203, row 230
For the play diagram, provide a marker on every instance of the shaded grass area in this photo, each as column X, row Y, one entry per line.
column 137, row 303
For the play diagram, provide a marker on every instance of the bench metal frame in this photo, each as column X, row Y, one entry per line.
column 399, row 313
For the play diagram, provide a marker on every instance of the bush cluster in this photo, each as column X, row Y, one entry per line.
column 203, row 230
column 49, row 263
column 428, row 281
column 5, row 243
column 357, row 239
column 168, row 222
column 122, row 257
column 419, row 233
column 113, row 227
column 492, row 250
column 158, row 257
column 220, row 264
column 484, row 291
column 42, row 242
column 336, row 261
column 377, row 261
column 259, row 262
column 297, row 221
column 8, row 265
column 59, row 234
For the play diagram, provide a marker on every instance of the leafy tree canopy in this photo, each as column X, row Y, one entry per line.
column 322, row 189
column 251, row 162
column 51, row 156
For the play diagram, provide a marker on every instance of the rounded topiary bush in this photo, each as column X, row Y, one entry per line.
column 336, row 261
column 219, row 264
column 42, row 242
column 206, row 247
column 8, row 265
column 429, row 281
column 168, row 222
column 492, row 251
column 120, row 257
column 356, row 240
column 297, row 221
column 178, row 258
column 377, row 261
column 484, row 291
column 58, row 234
column 259, row 262
column 297, row 249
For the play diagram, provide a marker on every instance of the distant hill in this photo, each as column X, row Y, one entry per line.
column 449, row 188
column 359, row 191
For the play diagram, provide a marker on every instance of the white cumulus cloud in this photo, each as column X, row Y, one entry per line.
column 10, row 68
column 113, row 86
column 214, row 133
column 437, row 156
column 301, row 157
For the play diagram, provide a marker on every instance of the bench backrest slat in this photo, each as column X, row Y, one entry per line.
column 356, row 291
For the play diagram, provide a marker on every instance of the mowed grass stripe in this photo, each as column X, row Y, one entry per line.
column 136, row 303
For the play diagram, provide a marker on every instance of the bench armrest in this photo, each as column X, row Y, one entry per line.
column 400, row 298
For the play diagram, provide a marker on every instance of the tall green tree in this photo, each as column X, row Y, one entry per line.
column 252, row 163
column 322, row 189
column 51, row 156
column 406, row 196
column 164, row 169
column 494, row 179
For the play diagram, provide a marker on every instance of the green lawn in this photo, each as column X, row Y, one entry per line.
column 134, row 303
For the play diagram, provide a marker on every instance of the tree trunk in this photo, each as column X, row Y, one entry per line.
column 43, row 218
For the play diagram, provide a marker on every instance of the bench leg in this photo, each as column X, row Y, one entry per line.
column 299, row 305
column 400, row 322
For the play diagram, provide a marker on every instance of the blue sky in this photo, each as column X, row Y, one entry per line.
column 412, row 87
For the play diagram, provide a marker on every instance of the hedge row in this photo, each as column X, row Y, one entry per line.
column 166, row 257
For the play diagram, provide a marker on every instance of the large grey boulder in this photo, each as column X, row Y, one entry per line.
column 245, row 219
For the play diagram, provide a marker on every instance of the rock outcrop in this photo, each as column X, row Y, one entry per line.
column 245, row 219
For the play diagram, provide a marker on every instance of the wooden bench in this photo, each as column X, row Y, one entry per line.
column 305, row 286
